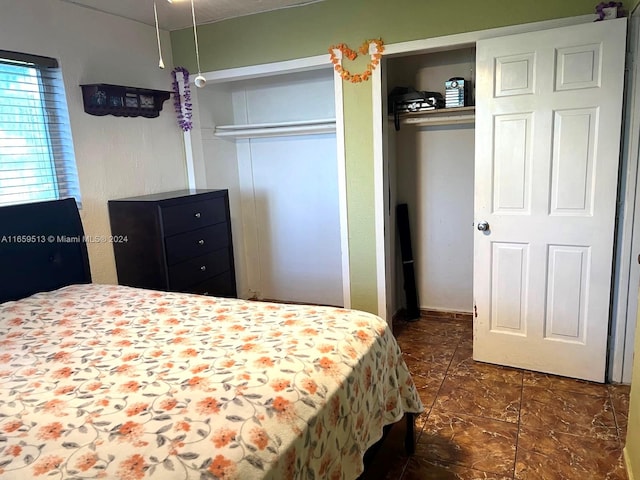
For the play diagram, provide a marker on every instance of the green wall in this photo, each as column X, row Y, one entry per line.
column 306, row 31
column 633, row 427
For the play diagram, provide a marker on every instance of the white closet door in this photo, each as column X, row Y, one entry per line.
column 547, row 146
column 297, row 218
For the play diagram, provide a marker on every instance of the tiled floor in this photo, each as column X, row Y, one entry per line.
column 489, row 422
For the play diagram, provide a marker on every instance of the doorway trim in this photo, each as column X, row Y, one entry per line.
column 627, row 278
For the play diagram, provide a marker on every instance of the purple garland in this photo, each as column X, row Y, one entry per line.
column 601, row 6
column 183, row 109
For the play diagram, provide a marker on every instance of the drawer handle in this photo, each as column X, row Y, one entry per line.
column 203, row 268
column 201, row 242
column 197, row 215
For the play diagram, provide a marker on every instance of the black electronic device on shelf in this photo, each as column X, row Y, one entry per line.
column 408, row 99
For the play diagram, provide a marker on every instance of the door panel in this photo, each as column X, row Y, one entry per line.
column 512, row 164
column 548, row 120
column 510, row 267
column 578, row 67
column 514, row 74
column 567, row 298
column 572, row 164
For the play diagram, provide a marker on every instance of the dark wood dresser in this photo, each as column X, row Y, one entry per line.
column 176, row 241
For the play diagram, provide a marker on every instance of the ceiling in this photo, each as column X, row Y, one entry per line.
column 177, row 14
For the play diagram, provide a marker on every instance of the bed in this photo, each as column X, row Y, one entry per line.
column 108, row 381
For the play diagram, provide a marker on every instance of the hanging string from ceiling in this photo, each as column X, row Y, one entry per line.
column 155, row 14
column 200, row 81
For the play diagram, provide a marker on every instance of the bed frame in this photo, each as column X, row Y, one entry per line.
column 42, row 248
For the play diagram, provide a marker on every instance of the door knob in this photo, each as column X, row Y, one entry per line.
column 483, row 226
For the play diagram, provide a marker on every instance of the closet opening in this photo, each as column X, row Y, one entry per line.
column 271, row 141
column 430, row 164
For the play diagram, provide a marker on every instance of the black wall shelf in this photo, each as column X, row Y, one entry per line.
column 104, row 99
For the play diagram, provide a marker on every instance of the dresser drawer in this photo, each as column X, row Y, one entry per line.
column 222, row 285
column 195, row 243
column 192, row 215
column 199, row 269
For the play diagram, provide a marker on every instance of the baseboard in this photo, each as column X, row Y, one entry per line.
column 627, row 464
column 435, row 313
column 441, row 313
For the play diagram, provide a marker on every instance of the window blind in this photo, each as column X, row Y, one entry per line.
column 37, row 160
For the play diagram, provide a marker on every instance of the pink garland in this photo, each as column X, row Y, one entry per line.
column 183, row 109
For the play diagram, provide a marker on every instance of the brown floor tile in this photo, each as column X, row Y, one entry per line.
column 430, row 357
column 482, row 398
column 473, row 442
column 390, row 467
column 466, row 339
column 569, row 429
column 428, row 387
column 411, row 340
column 402, row 329
column 398, row 327
column 436, row 314
column 459, row 324
column 462, row 324
column 464, row 366
column 428, row 369
column 567, row 412
column 553, row 382
column 619, row 395
column 391, row 458
column 419, row 468
column 463, row 352
column 550, row 455
column 618, row 389
column 421, row 420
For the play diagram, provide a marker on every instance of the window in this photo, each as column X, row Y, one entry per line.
column 37, row 161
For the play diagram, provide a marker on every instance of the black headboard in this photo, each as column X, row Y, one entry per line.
column 42, row 248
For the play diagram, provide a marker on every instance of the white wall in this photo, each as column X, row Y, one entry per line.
column 430, row 71
column 439, row 190
column 297, row 218
column 116, row 156
column 435, row 169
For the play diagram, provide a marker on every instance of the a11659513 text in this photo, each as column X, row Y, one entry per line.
column 63, row 239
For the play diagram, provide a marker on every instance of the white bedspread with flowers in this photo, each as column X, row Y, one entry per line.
column 113, row 382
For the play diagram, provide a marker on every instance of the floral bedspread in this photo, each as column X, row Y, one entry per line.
column 113, row 382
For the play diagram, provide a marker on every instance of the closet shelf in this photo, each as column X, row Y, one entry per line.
column 278, row 129
column 441, row 116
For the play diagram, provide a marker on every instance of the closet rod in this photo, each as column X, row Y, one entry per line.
column 281, row 129
column 441, row 116
column 426, row 122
